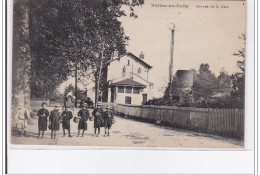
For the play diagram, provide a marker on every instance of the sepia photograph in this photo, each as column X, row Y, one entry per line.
column 128, row 73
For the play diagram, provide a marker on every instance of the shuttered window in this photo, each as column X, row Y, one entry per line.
column 128, row 90
column 136, row 90
column 121, row 89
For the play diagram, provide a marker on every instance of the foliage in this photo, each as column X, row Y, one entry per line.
column 21, row 50
column 227, row 102
column 241, row 53
column 205, row 86
column 69, row 35
column 238, row 79
column 159, row 101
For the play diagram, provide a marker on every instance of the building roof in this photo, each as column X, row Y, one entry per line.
column 128, row 82
column 135, row 57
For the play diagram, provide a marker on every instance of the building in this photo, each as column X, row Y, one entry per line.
column 127, row 80
column 182, row 92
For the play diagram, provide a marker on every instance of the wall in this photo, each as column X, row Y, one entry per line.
column 224, row 122
column 120, row 97
column 115, row 68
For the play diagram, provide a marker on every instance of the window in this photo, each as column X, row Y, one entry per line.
column 144, row 98
column 124, row 70
column 121, row 89
column 139, row 70
column 136, row 90
column 128, row 63
column 128, row 90
column 128, row 100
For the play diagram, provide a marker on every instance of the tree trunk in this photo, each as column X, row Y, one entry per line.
column 21, row 57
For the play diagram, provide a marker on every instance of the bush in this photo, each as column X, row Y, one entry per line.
column 228, row 102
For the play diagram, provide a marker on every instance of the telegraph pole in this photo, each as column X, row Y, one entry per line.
column 171, row 61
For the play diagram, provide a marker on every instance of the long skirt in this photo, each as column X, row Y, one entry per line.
column 66, row 124
column 82, row 124
column 55, row 125
column 42, row 124
column 98, row 121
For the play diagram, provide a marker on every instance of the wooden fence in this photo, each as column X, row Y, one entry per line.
column 224, row 122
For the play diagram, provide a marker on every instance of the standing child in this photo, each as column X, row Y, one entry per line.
column 108, row 117
column 98, row 119
column 54, row 122
column 21, row 121
column 66, row 117
column 43, row 114
column 83, row 114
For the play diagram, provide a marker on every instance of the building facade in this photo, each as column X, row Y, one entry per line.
column 127, row 78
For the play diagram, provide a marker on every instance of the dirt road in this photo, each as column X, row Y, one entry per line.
column 129, row 133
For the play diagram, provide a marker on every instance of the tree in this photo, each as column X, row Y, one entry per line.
column 224, row 82
column 74, row 35
column 205, row 84
column 21, row 57
column 241, row 53
column 238, row 79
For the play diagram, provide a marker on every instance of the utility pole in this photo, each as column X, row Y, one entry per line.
column 171, row 61
column 99, row 75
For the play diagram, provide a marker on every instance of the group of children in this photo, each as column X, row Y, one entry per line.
column 101, row 119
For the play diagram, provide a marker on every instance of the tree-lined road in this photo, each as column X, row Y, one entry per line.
column 129, row 133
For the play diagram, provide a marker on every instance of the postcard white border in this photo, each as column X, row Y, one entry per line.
column 178, row 161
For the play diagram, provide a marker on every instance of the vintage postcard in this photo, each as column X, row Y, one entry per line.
column 128, row 73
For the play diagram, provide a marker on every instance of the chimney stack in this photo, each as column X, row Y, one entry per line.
column 141, row 55
column 115, row 54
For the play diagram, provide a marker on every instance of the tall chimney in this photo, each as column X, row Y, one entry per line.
column 141, row 55
column 115, row 54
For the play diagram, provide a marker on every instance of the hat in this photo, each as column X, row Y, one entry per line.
column 108, row 107
column 43, row 103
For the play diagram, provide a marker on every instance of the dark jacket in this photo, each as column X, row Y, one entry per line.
column 108, row 116
column 83, row 114
column 55, row 120
column 43, row 114
column 66, row 117
column 98, row 117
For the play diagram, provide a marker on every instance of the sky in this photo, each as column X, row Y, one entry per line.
column 202, row 35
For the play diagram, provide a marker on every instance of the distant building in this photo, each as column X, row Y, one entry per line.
column 183, row 91
column 127, row 80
